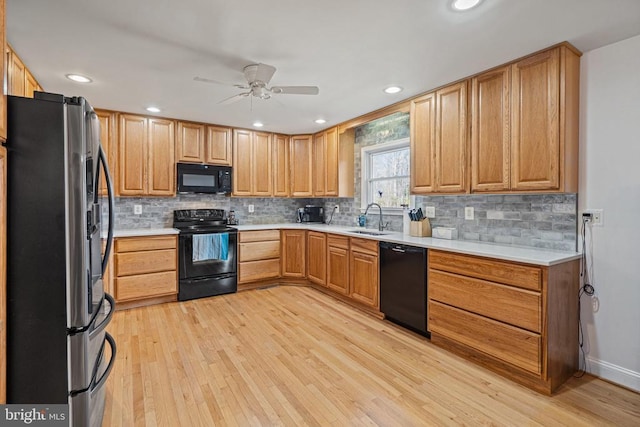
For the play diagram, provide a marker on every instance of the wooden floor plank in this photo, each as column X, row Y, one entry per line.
column 293, row 356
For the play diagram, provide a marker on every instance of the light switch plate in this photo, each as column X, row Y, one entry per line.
column 468, row 212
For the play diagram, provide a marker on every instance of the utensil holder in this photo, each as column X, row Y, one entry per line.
column 420, row 228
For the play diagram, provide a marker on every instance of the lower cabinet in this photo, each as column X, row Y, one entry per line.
column 294, row 243
column 317, row 257
column 258, row 255
column 363, row 267
column 519, row 320
column 145, row 267
column 338, row 263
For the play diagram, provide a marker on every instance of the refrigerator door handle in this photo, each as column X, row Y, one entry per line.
column 107, row 176
column 112, row 343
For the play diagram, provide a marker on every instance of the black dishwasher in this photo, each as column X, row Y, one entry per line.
column 403, row 285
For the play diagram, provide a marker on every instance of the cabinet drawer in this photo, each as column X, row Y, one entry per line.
column 133, row 244
column 146, row 285
column 254, row 251
column 522, row 276
column 364, row 245
column 507, row 304
column 259, row 236
column 505, row 342
column 130, row 263
column 258, row 270
column 335, row 241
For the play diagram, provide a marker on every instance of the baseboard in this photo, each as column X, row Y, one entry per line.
column 616, row 374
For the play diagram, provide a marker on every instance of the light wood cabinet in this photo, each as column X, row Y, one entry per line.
column 252, row 163
column 30, row 84
column 200, row 143
column 519, row 320
column 325, row 163
column 451, row 139
column 20, row 81
column 423, row 138
column 145, row 267
column 3, row 263
column 281, row 183
column 108, row 129
column 294, row 244
column 258, row 255
column 146, row 162
column 524, row 134
column 338, row 263
column 3, row 106
column 363, row 270
column 317, row 257
column 301, row 166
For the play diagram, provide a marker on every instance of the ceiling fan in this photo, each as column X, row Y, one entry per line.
column 258, row 77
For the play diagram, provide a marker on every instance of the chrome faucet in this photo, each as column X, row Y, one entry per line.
column 380, row 223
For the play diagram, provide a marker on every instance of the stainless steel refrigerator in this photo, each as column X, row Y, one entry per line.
column 58, row 351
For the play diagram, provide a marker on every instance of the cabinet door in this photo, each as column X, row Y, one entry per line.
column 190, row 143
column 490, row 132
column 364, row 278
column 218, row 146
column 242, row 153
column 535, row 137
column 293, row 253
column 316, row 257
column 338, row 269
column 423, row 134
column 319, row 165
column 107, row 140
column 301, row 166
column 3, row 266
column 331, row 162
column 281, row 165
column 30, row 84
column 3, row 97
column 262, row 165
column 162, row 165
column 16, row 75
column 451, row 138
column 132, row 155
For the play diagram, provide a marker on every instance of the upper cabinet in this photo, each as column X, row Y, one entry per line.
column 3, row 95
column 252, row 162
column 301, row 166
column 281, row 171
column 325, row 163
column 524, row 135
column 438, row 141
column 20, row 81
column 108, row 126
column 146, row 162
column 200, row 143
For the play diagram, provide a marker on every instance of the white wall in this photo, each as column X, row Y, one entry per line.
column 610, row 180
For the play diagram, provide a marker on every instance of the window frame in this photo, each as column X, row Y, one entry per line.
column 365, row 166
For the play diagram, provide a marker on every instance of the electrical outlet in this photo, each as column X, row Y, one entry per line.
column 337, row 208
column 597, row 217
column 251, row 208
column 595, row 303
column 468, row 212
column 430, row 211
column 137, row 209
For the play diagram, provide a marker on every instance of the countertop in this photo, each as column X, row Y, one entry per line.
column 545, row 257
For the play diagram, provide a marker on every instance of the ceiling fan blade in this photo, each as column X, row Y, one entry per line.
column 234, row 98
column 296, row 90
column 202, row 79
column 259, row 72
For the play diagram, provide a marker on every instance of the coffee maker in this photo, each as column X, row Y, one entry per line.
column 310, row 213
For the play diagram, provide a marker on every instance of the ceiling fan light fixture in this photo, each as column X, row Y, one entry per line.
column 153, row 109
column 464, row 5
column 392, row 89
column 258, row 124
column 320, row 121
column 78, row 78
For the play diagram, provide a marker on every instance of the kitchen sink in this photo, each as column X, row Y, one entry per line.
column 369, row 232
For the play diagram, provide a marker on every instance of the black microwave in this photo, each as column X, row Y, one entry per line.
column 194, row 178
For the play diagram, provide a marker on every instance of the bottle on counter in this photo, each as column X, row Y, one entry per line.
column 406, row 221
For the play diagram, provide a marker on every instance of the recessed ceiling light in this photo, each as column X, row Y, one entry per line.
column 258, row 124
column 393, row 89
column 78, row 78
column 462, row 5
column 153, row 109
column 320, row 121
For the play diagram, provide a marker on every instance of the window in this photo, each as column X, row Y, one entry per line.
column 385, row 175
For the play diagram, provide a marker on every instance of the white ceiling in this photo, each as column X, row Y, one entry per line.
column 147, row 52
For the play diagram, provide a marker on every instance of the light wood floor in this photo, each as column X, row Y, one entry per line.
column 294, row 356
